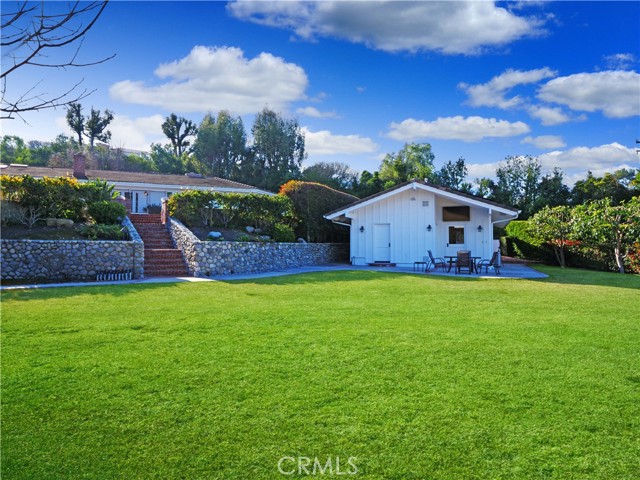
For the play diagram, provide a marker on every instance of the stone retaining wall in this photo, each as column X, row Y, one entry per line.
column 70, row 260
column 208, row 258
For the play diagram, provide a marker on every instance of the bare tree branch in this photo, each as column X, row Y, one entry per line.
column 28, row 34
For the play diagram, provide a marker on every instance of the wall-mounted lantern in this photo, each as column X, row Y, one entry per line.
column 362, row 229
column 429, row 228
column 146, row 193
column 480, row 228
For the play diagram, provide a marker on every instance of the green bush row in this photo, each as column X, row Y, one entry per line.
column 273, row 214
column 61, row 197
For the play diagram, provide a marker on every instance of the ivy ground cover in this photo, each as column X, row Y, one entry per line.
column 391, row 376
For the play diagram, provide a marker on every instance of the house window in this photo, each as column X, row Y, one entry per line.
column 456, row 214
column 456, row 235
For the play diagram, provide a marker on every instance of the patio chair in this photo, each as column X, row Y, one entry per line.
column 436, row 262
column 495, row 263
column 464, row 261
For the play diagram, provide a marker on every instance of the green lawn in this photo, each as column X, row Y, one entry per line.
column 415, row 376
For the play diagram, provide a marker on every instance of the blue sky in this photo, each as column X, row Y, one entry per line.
column 480, row 80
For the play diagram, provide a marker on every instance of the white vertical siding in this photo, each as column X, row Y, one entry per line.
column 408, row 220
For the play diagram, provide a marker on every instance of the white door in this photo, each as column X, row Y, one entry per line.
column 381, row 242
column 455, row 239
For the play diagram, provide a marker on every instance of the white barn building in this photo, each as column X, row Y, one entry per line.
column 401, row 224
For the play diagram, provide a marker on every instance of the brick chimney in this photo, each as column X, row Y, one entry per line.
column 79, row 165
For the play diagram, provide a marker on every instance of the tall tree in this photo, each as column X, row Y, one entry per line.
column 277, row 151
column 220, row 145
column 95, row 126
column 415, row 160
column 598, row 188
column 484, row 187
column 552, row 191
column 31, row 34
column 555, row 227
column 517, row 185
column 76, row 120
column 368, row 184
column 164, row 160
column 609, row 227
column 177, row 129
column 14, row 150
column 453, row 175
column 333, row 174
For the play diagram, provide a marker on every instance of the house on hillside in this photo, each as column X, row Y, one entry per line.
column 401, row 224
column 144, row 190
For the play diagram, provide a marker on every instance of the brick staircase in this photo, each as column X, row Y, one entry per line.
column 161, row 258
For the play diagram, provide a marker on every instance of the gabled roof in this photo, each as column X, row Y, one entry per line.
column 467, row 198
column 153, row 179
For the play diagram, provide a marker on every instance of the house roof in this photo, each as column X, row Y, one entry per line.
column 340, row 215
column 181, row 181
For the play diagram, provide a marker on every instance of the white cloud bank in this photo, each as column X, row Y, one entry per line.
column 605, row 158
column 324, row 142
column 460, row 27
column 136, row 133
column 315, row 113
column 492, row 93
column 545, row 142
column 615, row 93
column 466, row 129
column 219, row 78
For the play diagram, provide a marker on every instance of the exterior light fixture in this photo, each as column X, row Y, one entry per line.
column 362, row 229
column 146, row 193
column 479, row 228
column 429, row 228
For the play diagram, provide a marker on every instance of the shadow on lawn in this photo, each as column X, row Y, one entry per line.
column 345, row 275
column 577, row 276
column 90, row 289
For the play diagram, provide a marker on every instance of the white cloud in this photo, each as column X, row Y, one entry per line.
column 545, row 142
column 326, row 143
column 615, row 93
column 492, row 93
column 576, row 162
column 136, row 133
column 315, row 113
column 461, row 27
column 480, row 170
column 467, row 129
column 549, row 115
column 620, row 61
column 219, row 78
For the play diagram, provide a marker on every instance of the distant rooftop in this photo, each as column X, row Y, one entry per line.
column 183, row 181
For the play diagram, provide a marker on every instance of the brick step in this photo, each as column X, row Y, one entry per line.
column 164, row 261
column 167, row 273
column 162, row 253
column 153, row 233
column 158, row 245
column 145, row 218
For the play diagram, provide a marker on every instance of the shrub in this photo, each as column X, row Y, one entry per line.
column 522, row 242
column 109, row 213
column 283, row 233
column 97, row 231
column 311, row 201
column 55, row 197
column 226, row 210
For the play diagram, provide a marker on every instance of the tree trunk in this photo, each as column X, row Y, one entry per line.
column 559, row 251
column 619, row 257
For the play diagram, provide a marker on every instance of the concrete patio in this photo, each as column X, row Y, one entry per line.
column 508, row 270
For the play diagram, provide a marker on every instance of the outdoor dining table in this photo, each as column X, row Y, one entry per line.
column 452, row 258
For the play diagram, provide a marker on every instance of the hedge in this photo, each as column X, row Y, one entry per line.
column 311, row 201
column 271, row 213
